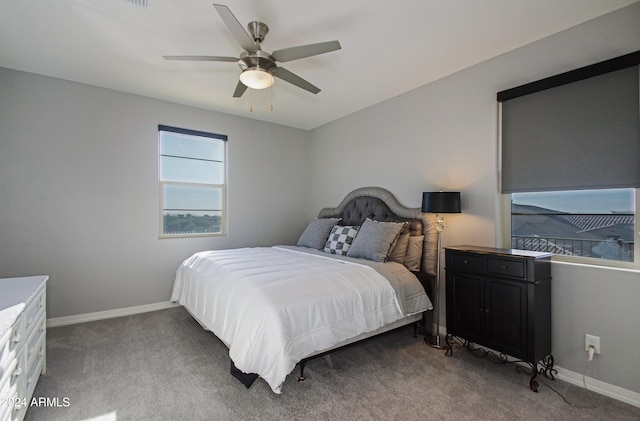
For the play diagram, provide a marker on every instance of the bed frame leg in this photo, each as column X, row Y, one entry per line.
column 302, row 364
column 416, row 326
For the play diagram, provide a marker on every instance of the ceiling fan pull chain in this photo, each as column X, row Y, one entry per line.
column 271, row 99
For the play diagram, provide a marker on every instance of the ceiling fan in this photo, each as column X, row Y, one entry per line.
column 259, row 67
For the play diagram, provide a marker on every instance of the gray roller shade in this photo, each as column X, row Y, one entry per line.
column 579, row 135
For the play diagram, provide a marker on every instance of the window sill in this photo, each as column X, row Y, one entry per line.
column 595, row 266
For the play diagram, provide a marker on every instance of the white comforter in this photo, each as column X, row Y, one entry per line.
column 275, row 306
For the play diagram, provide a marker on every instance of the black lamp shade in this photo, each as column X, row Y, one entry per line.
column 441, row 202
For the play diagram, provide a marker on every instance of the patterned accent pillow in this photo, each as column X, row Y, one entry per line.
column 340, row 239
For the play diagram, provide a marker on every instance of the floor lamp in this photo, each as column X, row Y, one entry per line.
column 439, row 203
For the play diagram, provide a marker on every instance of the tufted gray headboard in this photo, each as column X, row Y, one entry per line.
column 381, row 205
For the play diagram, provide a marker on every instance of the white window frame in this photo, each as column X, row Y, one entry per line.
column 506, row 240
column 163, row 183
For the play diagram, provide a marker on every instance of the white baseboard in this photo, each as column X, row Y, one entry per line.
column 594, row 385
column 597, row 386
column 108, row 314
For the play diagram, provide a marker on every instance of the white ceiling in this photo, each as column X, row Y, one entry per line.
column 388, row 47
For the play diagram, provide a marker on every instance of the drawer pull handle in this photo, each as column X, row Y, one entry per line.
column 505, row 267
column 465, row 261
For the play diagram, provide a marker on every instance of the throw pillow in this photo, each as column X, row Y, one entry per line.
column 375, row 240
column 414, row 253
column 340, row 239
column 316, row 234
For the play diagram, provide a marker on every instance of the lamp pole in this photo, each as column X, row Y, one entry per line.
column 435, row 336
column 439, row 203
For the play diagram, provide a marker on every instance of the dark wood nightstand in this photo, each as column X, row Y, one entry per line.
column 501, row 299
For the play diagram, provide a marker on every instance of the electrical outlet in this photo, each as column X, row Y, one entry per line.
column 592, row 340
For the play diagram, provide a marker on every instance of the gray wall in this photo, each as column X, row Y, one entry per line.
column 443, row 136
column 79, row 192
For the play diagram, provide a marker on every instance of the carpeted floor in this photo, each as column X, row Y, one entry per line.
column 163, row 366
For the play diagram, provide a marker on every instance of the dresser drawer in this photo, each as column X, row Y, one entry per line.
column 7, row 380
column 35, row 366
column 6, row 353
column 36, row 339
column 13, row 406
column 507, row 267
column 10, row 381
column 8, row 393
column 11, row 343
column 5, row 410
column 467, row 262
column 34, row 308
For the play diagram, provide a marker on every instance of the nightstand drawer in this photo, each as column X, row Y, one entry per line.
column 506, row 267
column 466, row 262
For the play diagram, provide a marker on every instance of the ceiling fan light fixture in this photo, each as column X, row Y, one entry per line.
column 256, row 78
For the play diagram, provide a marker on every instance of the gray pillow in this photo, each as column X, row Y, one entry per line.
column 375, row 240
column 316, row 234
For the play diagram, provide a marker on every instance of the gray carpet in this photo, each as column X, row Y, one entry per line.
column 163, row 366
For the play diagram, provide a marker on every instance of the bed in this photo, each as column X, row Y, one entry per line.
column 360, row 269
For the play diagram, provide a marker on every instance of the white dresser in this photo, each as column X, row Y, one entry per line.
column 23, row 328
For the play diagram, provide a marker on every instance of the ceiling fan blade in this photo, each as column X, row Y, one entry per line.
column 296, row 80
column 201, row 58
column 240, row 88
column 302, row 51
column 237, row 30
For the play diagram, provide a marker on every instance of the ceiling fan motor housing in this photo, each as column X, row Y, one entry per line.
column 258, row 60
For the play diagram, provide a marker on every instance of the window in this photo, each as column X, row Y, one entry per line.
column 570, row 163
column 593, row 224
column 192, row 172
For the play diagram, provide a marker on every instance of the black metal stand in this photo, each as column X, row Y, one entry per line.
column 542, row 367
